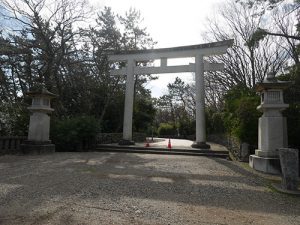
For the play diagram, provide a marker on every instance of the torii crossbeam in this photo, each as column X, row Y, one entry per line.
column 193, row 51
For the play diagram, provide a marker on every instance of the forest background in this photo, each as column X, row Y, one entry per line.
column 55, row 44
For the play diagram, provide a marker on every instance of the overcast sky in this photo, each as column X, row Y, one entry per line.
column 171, row 23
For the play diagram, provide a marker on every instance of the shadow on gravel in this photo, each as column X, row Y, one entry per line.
column 230, row 165
column 69, row 178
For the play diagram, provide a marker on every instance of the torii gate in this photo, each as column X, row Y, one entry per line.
column 200, row 65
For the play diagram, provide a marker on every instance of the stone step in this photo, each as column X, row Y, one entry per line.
column 174, row 149
column 165, row 151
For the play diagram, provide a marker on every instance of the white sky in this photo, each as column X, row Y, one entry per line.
column 171, row 23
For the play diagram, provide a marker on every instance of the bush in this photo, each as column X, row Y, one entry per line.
column 241, row 115
column 293, row 125
column 214, row 122
column 292, row 97
column 166, row 129
column 143, row 115
column 247, row 120
column 187, row 127
column 14, row 119
column 74, row 134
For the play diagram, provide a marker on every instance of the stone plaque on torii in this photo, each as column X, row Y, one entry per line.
column 193, row 51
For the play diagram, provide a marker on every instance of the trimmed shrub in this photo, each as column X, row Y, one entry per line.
column 166, row 129
column 74, row 134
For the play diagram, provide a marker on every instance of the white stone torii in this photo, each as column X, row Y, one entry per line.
column 196, row 51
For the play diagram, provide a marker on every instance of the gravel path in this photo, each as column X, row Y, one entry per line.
column 119, row 188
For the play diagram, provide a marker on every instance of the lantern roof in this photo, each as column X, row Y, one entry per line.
column 271, row 82
column 40, row 90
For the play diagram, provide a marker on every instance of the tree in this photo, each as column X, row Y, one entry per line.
column 143, row 114
column 36, row 41
column 106, row 36
column 241, row 115
column 99, row 39
column 245, row 63
column 47, row 30
column 287, row 26
column 51, row 45
column 178, row 107
column 134, row 37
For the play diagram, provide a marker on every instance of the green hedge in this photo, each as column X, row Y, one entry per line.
column 74, row 134
column 166, row 129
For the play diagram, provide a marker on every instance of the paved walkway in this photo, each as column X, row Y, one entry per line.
column 175, row 144
column 139, row 189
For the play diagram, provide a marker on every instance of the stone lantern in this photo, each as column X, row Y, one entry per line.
column 272, row 128
column 39, row 125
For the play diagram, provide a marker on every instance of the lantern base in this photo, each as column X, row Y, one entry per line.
column 266, row 165
column 200, row 145
column 37, row 147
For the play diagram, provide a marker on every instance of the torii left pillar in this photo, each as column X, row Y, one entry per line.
column 128, row 109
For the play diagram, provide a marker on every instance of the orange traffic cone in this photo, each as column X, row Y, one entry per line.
column 147, row 143
column 169, row 144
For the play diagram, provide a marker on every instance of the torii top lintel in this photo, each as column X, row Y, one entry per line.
column 213, row 48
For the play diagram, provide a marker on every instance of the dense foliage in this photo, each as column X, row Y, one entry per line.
column 266, row 39
column 292, row 97
column 241, row 115
column 64, row 46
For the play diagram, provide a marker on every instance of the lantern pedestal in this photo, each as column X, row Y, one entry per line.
column 271, row 135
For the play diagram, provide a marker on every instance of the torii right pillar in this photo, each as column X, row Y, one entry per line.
column 200, row 105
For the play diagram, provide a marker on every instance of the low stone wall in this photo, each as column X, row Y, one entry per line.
column 11, row 144
column 232, row 143
column 221, row 139
column 109, row 138
column 139, row 137
column 236, row 148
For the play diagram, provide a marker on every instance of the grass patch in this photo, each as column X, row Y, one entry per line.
column 89, row 170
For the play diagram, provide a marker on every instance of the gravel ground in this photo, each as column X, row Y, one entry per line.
column 120, row 188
